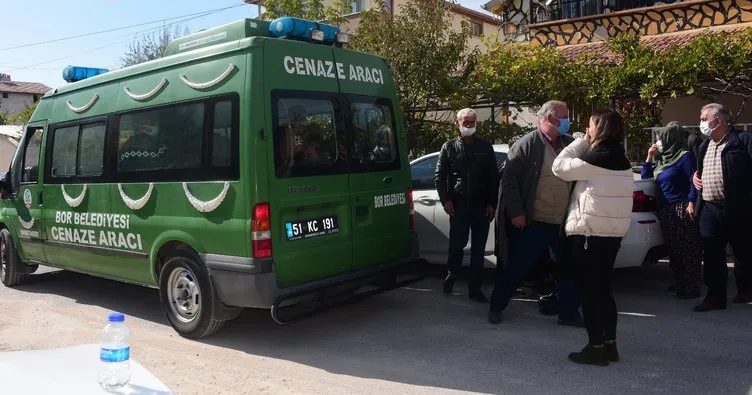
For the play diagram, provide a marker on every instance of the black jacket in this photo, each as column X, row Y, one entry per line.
column 736, row 161
column 467, row 179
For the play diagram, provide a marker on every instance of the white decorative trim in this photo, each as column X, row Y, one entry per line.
column 137, row 204
column 85, row 107
column 208, row 84
column 148, row 95
column 71, row 201
column 26, row 225
column 207, row 206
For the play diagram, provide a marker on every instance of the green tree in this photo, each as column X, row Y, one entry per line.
column 312, row 10
column 429, row 62
column 151, row 46
column 22, row 117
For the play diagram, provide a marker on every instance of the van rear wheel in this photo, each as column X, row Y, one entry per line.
column 12, row 271
column 187, row 295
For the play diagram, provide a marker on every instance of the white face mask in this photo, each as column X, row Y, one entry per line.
column 705, row 128
column 467, row 131
column 659, row 145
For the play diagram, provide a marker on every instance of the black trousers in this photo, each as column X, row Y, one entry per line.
column 593, row 258
column 718, row 229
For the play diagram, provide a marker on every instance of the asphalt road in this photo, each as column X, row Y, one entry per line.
column 411, row 340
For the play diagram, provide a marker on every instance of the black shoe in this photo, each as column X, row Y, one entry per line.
column 709, row 305
column 494, row 317
column 577, row 322
column 448, row 285
column 674, row 288
column 688, row 295
column 547, row 305
column 612, row 354
column 743, row 297
column 590, row 356
column 478, row 296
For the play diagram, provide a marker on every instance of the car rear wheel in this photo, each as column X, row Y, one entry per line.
column 187, row 295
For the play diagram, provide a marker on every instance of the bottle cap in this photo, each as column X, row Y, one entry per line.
column 116, row 317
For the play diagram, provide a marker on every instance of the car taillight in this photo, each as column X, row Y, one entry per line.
column 412, row 208
column 261, row 231
column 642, row 203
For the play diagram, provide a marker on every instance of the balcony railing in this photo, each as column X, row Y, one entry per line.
column 568, row 9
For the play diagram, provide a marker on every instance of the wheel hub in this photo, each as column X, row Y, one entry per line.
column 184, row 294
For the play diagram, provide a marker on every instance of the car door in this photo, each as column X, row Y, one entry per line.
column 378, row 182
column 27, row 197
column 426, row 202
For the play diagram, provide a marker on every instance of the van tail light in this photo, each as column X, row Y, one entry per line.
column 642, row 203
column 412, row 208
column 261, row 231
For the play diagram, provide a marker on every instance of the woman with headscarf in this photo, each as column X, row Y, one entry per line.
column 673, row 175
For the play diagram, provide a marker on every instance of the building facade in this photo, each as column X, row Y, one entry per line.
column 15, row 96
column 579, row 27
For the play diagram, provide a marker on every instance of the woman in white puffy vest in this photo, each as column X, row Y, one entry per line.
column 598, row 217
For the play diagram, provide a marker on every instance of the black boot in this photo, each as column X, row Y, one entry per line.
column 494, row 317
column 448, row 285
column 612, row 354
column 590, row 356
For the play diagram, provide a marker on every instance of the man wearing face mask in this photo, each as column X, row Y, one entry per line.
column 535, row 204
column 465, row 179
column 724, row 179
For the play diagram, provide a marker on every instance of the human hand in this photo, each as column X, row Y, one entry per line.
column 490, row 213
column 652, row 152
column 519, row 222
column 691, row 210
column 697, row 181
column 449, row 208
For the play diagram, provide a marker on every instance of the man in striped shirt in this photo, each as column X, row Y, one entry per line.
column 724, row 179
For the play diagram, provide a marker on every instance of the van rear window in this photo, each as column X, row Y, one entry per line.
column 306, row 140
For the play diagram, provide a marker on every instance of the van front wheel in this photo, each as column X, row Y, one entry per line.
column 12, row 271
column 187, row 295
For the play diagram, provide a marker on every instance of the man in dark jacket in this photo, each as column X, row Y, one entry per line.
column 724, row 178
column 534, row 204
column 466, row 183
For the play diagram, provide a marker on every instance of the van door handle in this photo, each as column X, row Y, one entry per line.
column 361, row 211
column 387, row 180
column 41, row 199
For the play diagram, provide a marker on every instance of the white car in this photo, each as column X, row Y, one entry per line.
column 642, row 245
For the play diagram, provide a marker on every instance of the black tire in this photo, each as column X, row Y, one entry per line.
column 12, row 271
column 191, row 320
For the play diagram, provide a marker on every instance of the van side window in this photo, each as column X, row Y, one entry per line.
column 305, row 138
column 30, row 172
column 78, row 151
column 163, row 139
column 374, row 142
column 222, row 134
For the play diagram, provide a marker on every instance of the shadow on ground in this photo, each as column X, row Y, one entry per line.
column 418, row 336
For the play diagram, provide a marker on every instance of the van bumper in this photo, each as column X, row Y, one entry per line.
column 249, row 282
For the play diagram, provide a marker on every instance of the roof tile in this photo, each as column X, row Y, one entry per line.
column 32, row 88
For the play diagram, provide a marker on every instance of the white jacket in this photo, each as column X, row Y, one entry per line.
column 601, row 203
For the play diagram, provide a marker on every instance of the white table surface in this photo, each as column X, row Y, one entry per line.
column 71, row 370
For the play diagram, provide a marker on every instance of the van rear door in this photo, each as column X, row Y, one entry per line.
column 308, row 185
column 379, row 169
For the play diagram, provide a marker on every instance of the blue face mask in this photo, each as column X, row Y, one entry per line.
column 563, row 126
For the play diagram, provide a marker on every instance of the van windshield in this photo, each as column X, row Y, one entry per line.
column 315, row 135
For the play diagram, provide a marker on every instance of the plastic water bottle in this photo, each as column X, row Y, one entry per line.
column 114, row 354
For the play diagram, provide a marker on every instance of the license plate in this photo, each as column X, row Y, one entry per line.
column 307, row 228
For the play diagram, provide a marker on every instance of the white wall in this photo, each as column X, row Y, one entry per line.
column 16, row 102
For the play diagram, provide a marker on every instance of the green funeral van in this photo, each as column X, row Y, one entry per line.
column 257, row 164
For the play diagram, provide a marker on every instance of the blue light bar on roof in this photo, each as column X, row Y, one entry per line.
column 300, row 28
column 77, row 73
